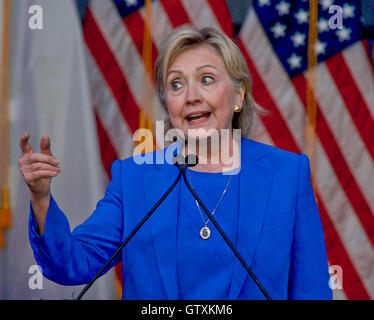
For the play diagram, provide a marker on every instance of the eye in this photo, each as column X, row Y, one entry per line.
column 207, row 79
column 175, row 85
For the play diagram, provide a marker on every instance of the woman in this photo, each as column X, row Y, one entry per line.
column 262, row 198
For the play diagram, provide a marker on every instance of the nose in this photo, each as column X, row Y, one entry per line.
column 193, row 95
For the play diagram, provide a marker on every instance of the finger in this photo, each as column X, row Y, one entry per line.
column 39, row 157
column 42, row 166
column 30, row 177
column 45, row 145
column 25, row 145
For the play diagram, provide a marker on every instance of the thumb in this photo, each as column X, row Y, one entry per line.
column 45, row 145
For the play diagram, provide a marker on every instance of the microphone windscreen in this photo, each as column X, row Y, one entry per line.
column 178, row 160
column 192, row 160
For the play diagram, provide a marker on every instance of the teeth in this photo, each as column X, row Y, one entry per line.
column 198, row 115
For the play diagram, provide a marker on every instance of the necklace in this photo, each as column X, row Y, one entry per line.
column 205, row 231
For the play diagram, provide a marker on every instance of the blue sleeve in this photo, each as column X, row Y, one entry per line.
column 72, row 258
column 309, row 276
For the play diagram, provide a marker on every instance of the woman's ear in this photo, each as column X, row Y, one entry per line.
column 240, row 95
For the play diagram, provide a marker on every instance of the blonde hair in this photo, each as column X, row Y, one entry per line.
column 187, row 37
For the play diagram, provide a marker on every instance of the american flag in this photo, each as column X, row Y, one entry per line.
column 274, row 41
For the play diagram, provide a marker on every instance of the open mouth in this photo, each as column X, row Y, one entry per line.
column 198, row 117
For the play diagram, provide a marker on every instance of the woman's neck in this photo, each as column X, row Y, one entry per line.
column 217, row 157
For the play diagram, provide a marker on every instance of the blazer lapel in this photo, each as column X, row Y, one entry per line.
column 164, row 222
column 255, row 182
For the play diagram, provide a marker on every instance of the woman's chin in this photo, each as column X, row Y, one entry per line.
column 202, row 133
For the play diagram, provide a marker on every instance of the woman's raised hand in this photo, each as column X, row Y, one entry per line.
column 38, row 168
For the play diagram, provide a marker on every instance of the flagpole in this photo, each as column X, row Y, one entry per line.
column 311, row 90
column 5, row 210
column 145, row 117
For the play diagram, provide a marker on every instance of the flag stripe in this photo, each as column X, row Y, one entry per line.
column 173, row 7
column 274, row 122
column 274, row 77
column 370, row 54
column 360, row 72
column 260, row 134
column 352, row 284
column 347, row 181
column 200, row 13
column 342, row 214
column 135, row 26
column 161, row 26
column 112, row 120
column 353, row 100
column 222, row 13
column 125, row 53
column 107, row 152
column 111, row 71
column 345, row 134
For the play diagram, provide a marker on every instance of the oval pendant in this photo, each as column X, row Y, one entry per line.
column 205, row 233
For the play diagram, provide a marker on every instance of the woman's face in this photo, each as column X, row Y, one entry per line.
column 199, row 92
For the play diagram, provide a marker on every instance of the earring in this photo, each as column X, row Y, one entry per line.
column 237, row 108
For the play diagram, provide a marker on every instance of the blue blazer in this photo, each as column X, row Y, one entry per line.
column 280, row 234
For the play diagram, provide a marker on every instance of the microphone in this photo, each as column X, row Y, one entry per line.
column 189, row 161
column 182, row 163
column 237, row 254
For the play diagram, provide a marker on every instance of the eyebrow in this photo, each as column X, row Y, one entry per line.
column 206, row 66
column 198, row 68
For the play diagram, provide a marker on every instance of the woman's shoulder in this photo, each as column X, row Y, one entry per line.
column 262, row 148
column 279, row 159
